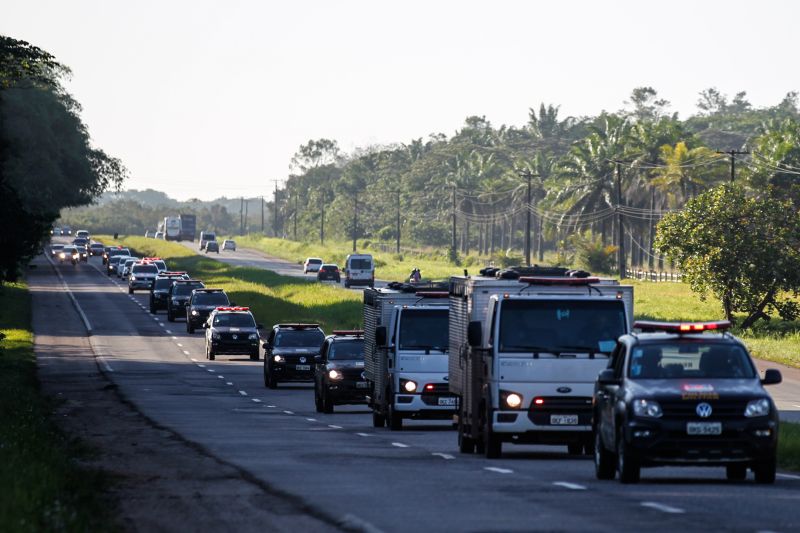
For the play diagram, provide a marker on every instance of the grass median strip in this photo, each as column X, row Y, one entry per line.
column 43, row 489
column 789, row 446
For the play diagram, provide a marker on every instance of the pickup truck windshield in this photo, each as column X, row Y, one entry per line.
column 234, row 320
column 210, row 298
column 184, row 289
column 304, row 338
column 558, row 326
column 351, row 350
column 424, row 329
column 686, row 360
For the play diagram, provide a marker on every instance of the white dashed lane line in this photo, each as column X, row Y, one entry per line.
column 363, row 434
column 311, row 419
column 181, row 345
column 568, row 485
column 228, row 383
column 273, row 406
column 289, row 412
column 256, row 400
column 446, row 456
column 333, row 426
column 220, row 376
column 243, row 393
column 498, row 470
column 211, row 370
column 169, row 333
column 399, row 445
column 663, row 508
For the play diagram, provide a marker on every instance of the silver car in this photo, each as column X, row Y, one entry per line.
column 229, row 244
column 125, row 269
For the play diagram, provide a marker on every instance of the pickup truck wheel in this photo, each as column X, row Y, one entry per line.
column 269, row 378
column 378, row 420
column 327, row 403
column 394, row 418
column 153, row 310
column 317, row 400
column 736, row 472
column 765, row 471
column 254, row 356
column 130, row 291
column 493, row 446
column 604, row 461
column 211, row 354
column 189, row 326
column 170, row 316
column 627, row 464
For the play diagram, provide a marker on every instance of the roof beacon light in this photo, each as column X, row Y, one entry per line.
column 538, row 280
column 233, row 308
column 681, row 327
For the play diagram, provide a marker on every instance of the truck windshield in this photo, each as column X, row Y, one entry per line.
column 346, row 350
column 424, row 329
column 304, row 338
column 557, row 326
column 686, row 360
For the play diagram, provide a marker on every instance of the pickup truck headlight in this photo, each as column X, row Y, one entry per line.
column 194, row 313
column 215, row 335
column 334, row 374
column 647, row 408
column 253, row 336
column 758, row 407
column 278, row 359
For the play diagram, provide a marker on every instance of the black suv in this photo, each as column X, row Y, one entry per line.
column 339, row 371
column 673, row 396
column 179, row 293
column 201, row 303
column 231, row 330
column 289, row 353
column 111, row 251
column 159, row 292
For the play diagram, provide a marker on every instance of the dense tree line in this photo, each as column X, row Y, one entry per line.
column 47, row 162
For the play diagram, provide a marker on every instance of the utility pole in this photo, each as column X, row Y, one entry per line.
column 398, row 220
column 275, row 209
column 296, row 195
column 355, row 219
column 322, row 218
column 241, row 217
column 453, row 244
column 527, row 174
column 733, row 154
column 621, row 258
column 246, row 219
column 262, row 216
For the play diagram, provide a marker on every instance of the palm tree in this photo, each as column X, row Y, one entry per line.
column 685, row 172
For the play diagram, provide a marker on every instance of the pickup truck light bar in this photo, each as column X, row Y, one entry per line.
column 349, row 332
column 538, row 280
column 232, row 309
column 298, row 326
column 680, row 327
column 169, row 273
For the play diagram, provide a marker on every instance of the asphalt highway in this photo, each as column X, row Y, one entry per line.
column 378, row 480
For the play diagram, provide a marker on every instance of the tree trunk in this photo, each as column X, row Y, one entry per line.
column 758, row 312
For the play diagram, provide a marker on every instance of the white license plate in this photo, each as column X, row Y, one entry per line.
column 362, row 384
column 564, row 420
column 302, row 367
column 448, row 401
column 704, row 428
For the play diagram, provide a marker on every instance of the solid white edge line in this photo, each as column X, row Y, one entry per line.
column 788, row 476
column 498, row 470
column 71, row 296
column 663, row 508
column 568, row 485
column 443, row 455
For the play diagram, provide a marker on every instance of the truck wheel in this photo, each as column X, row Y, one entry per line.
column 378, row 420
column 465, row 443
column 627, row 464
column 269, row 378
column 493, row 446
column 765, row 471
column 736, row 472
column 604, row 465
column 327, row 403
column 394, row 419
column 130, row 291
column 317, row 400
column 170, row 316
column 152, row 310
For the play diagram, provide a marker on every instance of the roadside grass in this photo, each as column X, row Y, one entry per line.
column 789, row 446
column 41, row 486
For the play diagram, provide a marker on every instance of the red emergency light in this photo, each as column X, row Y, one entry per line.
column 681, row 327
column 233, row 308
column 351, row 332
column 166, row 273
column 539, row 280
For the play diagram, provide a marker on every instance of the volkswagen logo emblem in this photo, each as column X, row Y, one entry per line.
column 564, row 390
column 302, row 359
column 703, row 410
column 235, row 336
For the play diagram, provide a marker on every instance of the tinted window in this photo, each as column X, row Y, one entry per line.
column 315, row 261
column 210, row 298
column 353, row 349
column 555, row 326
column 163, row 283
column 145, row 269
column 360, row 263
column 234, row 320
column 424, row 330
column 185, row 289
column 685, row 360
column 209, row 236
column 303, row 338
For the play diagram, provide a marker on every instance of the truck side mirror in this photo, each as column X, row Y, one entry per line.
column 607, row 377
column 772, row 377
column 475, row 333
column 380, row 336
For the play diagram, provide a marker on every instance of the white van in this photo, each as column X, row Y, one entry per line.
column 206, row 236
column 359, row 269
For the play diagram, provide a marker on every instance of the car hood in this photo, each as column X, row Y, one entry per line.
column 693, row 389
column 295, row 351
column 245, row 331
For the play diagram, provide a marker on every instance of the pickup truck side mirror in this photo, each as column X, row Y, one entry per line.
column 772, row 377
column 475, row 333
column 317, row 358
column 607, row 377
column 380, row 336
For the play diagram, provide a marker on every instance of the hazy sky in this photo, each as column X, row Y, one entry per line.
column 202, row 98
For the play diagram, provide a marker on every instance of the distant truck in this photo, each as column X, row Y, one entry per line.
column 178, row 228
column 188, row 227
column 405, row 355
column 525, row 354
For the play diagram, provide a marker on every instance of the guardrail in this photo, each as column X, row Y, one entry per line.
column 655, row 275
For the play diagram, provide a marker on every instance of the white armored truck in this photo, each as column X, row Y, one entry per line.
column 405, row 354
column 525, row 353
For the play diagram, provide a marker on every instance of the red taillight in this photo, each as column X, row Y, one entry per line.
column 538, row 401
column 429, row 387
column 680, row 327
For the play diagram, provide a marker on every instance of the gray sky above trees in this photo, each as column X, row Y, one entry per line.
column 202, row 98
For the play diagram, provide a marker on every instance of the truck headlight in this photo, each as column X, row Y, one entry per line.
column 334, row 374
column 758, row 407
column 647, row 408
column 278, row 359
column 509, row 399
column 194, row 313
column 408, row 385
column 253, row 336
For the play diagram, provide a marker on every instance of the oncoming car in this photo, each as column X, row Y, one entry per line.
column 289, row 353
column 231, row 330
column 339, row 371
column 672, row 395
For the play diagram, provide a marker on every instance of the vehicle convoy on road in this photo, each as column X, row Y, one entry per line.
column 231, row 331
column 143, row 274
column 70, row 254
column 200, row 305
column 124, row 271
column 289, row 353
column 312, row 264
column 55, row 250
column 159, row 292
column 339, row 371
column 405, row 354
column 525, row 353
column 178, row 296
column 672, row 395
column 329, row 272
column 205, row 237
column 212, row 246
column 359, row 270
column 96, row 248
column 83, row 253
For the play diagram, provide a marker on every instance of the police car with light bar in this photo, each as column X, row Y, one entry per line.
column 159, row 292
column 231, row 331
column 672, row 395
column 200, row 305
column 339, row 371
column 142, row 275
column 289, row 353
column 179, row 293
